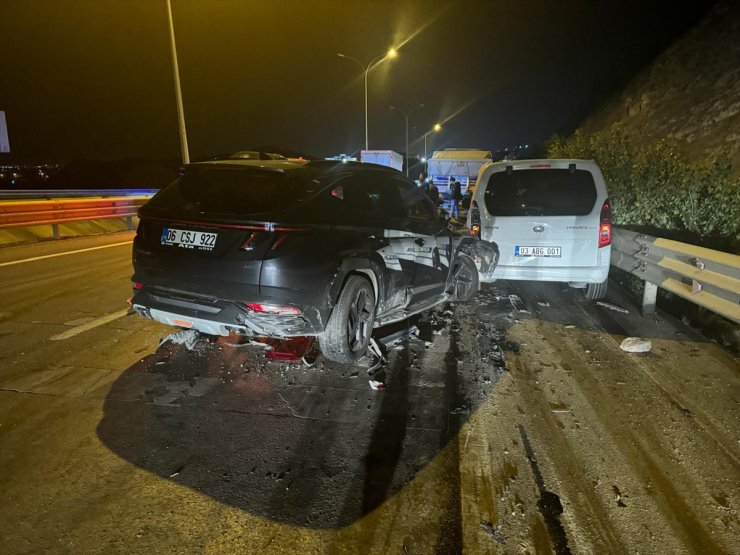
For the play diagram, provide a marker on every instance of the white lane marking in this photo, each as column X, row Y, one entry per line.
column 90, row 325
column 62, row 254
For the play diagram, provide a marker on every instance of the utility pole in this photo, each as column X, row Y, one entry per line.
column 178, row 92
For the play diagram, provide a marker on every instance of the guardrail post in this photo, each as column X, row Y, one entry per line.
column 55, row 230
column 649, row 296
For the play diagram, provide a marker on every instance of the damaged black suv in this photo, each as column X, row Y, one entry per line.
column 282, row 249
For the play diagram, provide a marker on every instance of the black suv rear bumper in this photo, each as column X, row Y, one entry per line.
column 219, row 317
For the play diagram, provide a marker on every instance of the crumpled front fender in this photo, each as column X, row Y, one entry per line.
column 485, row 254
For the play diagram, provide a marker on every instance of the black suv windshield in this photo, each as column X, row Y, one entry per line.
column 238, row 191
column 541, row 192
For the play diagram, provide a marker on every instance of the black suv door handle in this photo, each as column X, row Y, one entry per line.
column 421, row 242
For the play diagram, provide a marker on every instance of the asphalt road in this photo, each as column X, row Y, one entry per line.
column 513, row 424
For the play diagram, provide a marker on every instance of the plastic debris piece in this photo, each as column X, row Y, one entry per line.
column 417, row 345
column 380, row 361
column 376, row 386
column 399, row 336
column 517, row 303
column 543, row 303
column 569, row 327
column 613, row 307
column 636, row 345
column 494, row 531
column 185, row 337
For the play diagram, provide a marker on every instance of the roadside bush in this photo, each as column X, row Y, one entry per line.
column 656, row 186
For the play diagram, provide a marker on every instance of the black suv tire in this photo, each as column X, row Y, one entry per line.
column 347, row 333
column 465, row 281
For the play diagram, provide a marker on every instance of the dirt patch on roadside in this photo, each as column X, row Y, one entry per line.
column 585, row 448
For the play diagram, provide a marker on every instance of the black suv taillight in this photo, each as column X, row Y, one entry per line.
column 605, row 225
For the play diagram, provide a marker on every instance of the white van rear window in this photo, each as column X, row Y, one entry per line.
column 540, row 192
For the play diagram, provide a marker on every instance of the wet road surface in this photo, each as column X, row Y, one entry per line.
column 520, row 426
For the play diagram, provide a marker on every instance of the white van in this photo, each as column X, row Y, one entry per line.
column 550, row 218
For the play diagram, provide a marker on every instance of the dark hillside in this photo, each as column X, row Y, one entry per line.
column 691, row 93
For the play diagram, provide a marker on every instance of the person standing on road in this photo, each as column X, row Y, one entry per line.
column 433, row 192
column 455, row 198
column 423, row 184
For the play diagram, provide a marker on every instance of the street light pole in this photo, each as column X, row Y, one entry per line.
column 178, row 92
column 406, row 118
column 436, row 129
column 366, row 69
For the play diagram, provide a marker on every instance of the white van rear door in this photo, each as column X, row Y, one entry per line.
column 543, row 216
column 546, row 241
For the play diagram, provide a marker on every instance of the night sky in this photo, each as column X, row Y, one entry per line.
column 93, row 78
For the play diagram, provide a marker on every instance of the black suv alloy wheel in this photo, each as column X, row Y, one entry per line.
column 350, row 325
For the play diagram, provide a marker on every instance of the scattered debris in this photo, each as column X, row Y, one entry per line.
column 399, row 336
column 495, row 531
column 376, row 372
column 618, row 493
column 376, row 386
column 569, row 327
column 290, row 349
column 613, row 307
column 517, row 303
column 636, row 345
column 189, row 338
column 417, row 345
column 543, row 303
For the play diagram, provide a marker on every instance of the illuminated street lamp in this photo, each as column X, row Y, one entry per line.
column 178, row 92
column 366, row 69
column 406, row 117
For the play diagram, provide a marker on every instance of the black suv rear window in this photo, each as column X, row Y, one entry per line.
column 540, row 192
column 219, row 190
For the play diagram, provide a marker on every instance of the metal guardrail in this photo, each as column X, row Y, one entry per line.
column 30, row 213
column 67, row 193
column 704, row 276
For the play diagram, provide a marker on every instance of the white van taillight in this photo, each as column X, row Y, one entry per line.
column 605, row 225
column 474, row 220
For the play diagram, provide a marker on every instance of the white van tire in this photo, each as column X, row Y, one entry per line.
column 596, row 291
